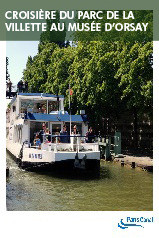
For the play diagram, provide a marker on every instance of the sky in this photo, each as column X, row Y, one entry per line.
column 18, row 52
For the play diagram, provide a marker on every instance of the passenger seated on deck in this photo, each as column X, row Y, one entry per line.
column 89, row 135
column 37, row 141
column 64, row 138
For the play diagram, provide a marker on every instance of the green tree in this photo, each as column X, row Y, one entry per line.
column 136, row 78
column 36, row 69
column 106, row 78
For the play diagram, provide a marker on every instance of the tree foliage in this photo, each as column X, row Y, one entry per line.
column 135, row 74
column 106, row 77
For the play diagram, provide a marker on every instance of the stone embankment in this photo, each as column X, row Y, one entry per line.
column 145, row 162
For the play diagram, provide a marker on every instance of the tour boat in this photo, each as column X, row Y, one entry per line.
column 27, row 113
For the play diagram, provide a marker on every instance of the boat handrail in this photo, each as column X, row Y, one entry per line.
column 77, row 146
column 77, row 135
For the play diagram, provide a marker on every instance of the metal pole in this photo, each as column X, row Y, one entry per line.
column 47, row 110
column 70, row 109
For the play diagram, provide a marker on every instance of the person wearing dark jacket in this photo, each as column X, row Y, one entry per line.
column 89, row 135
column 42, row 133
column 64, row 138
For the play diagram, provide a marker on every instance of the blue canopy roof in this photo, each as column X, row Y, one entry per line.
column 55, row 117
column 35, row 94
column 40, row 94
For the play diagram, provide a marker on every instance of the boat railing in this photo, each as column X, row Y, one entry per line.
column 69, row 147
column 79, row 143
column 74, row 143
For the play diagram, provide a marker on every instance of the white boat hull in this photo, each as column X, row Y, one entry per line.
column 13, row 148
column 37, row 157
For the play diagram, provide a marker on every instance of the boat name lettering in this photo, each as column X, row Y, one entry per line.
column 35, row 156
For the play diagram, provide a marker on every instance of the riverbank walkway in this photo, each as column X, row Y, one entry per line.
column 143, row 161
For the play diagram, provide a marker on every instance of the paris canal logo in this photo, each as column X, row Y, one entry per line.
column 134, row 222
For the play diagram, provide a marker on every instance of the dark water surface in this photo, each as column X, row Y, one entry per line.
column 117, row 189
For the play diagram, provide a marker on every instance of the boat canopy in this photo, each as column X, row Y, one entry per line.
column 41, row 95
column 55, row 117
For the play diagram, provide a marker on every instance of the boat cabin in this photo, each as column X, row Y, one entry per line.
column 28, row 112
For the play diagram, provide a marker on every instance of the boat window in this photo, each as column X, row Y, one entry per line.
column 26, row 105
column 8, row 116
column 19, row 134
column 33, row 106
column 38, row 106
column 14, row 108
column 35, row 127
column 53, row 106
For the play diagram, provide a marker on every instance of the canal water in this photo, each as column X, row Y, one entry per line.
column 117, row 189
